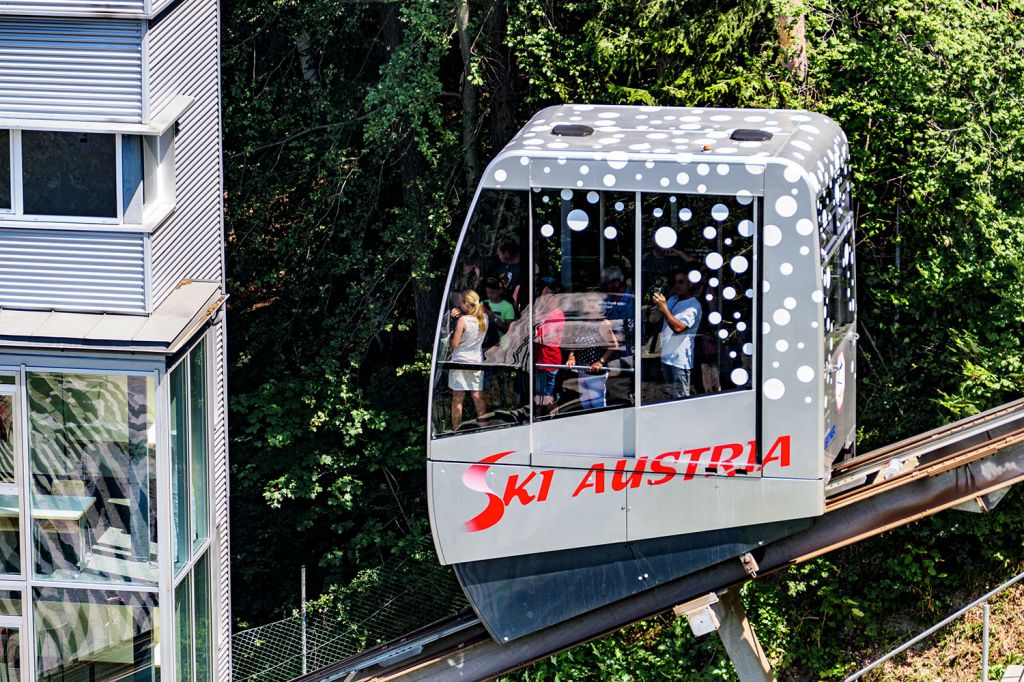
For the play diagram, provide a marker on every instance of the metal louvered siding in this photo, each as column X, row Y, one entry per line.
column 183, row 49
column 71, row 70
column 221, row 505
column 51, row 7
column 73, row 271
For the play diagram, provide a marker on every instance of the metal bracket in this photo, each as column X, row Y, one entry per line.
column 699, row 615
column 749, row 564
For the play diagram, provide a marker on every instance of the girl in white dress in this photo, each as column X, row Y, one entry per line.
column 467, row 346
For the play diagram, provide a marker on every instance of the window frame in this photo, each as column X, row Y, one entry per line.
column 157, row 175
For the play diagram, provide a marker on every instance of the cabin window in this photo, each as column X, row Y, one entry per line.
column 835, row 214
column 697, row 264
column 93, row 178
column 584, row 308
column 840, row 295
column 481, row 378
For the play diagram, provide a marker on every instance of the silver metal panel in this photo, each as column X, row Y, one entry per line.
column 221, row 547
column 535, row 518
column 791, row 300
column 561, row 441
column 72, row 7
column 63, row 270
column 67, row 69
column 661, row 505
column 714, row 429
column 184, row 61
column 474, row 446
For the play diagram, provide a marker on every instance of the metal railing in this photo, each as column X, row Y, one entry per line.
column 983, row 601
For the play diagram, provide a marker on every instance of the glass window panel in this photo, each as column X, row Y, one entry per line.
column 69, row 174
column 180, row 493
column 203, row 634
column 6, row 380
column 131, row 178
column 10, row 603
column 10, row 655
column 483, row 348
column 698, row 267
column 840, row 298
column 183, row 628
column 198, row 424
column 96, row 635
column 5, row 169
column 584, row 315
column 10, row 526
column 93, row 476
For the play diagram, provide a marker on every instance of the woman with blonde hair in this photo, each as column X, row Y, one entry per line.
column 467, row 347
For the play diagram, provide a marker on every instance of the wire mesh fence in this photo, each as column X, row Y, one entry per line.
column 379, row 605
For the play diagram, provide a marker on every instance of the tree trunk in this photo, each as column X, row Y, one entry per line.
column 471, row 163
column 502, row 93
column 793, row 43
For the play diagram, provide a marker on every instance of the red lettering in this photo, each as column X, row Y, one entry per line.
column 752, row 456
column 691, row 467
column 716, row 457
column 597, row 473
column 514, row 490
column 620, row 482
column 545, row 484
column 782, row 445
column 475, row 478
column 658, row 467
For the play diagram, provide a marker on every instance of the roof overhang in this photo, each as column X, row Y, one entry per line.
column 176, row 320
column 158, row 124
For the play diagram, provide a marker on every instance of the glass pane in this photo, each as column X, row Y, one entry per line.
column 480, row 376
column 5, row 169
column 183, row 630
column 131, row 178
column 10, row 655
column 96, row 635
column 198, row 425
column 584, row 315
column 698, row 273
column 7, row 440
column 93, row 476
column 840, row 301
column 10, row 543
column 180, row 466
column 204, row 673
column 10, row 604
column 70, row 174
column 6, row 380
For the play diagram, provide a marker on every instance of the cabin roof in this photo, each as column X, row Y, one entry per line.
column 646, row 132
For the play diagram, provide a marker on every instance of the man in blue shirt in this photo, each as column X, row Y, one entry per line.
column 682, row 314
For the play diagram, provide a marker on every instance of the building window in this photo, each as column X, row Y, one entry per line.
column 92, row 467
column 95, row 178
column 193, row 623
column 190, row 454
column 96, row 634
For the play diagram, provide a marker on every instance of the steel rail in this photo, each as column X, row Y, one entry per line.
column 468, row 653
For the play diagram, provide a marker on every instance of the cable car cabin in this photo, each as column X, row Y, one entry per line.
column 645, row 362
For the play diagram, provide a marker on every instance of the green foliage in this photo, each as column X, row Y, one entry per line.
column 346, row 170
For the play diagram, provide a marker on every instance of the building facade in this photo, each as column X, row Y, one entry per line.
column 113, row 437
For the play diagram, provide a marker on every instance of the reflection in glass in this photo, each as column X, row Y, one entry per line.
column 180, row 503
column 10, row 602
column 698, row 270
column 95, row 635
column 198, row 442
column 10, row 655
column 69, row 174
column 10, row 543
column 92, row 447
column 183, row 627
column 583, row 315
column 203, row 635
column 483, row 382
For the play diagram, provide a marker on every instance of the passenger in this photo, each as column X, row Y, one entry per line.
column 593, row 345
column 467, row 347
column 707, row 343
column 502, row 312
column 618, row 306
column 682, row 314
column 547, row 347
column 509, row 269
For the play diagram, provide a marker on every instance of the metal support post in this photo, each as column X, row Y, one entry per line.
column 304, row 619
column 724, row 612
column 984, row 643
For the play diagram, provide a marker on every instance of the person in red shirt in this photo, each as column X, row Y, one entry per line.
column 548, row 331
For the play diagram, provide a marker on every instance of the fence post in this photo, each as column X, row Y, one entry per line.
column 304, row 671
column 984, row 644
